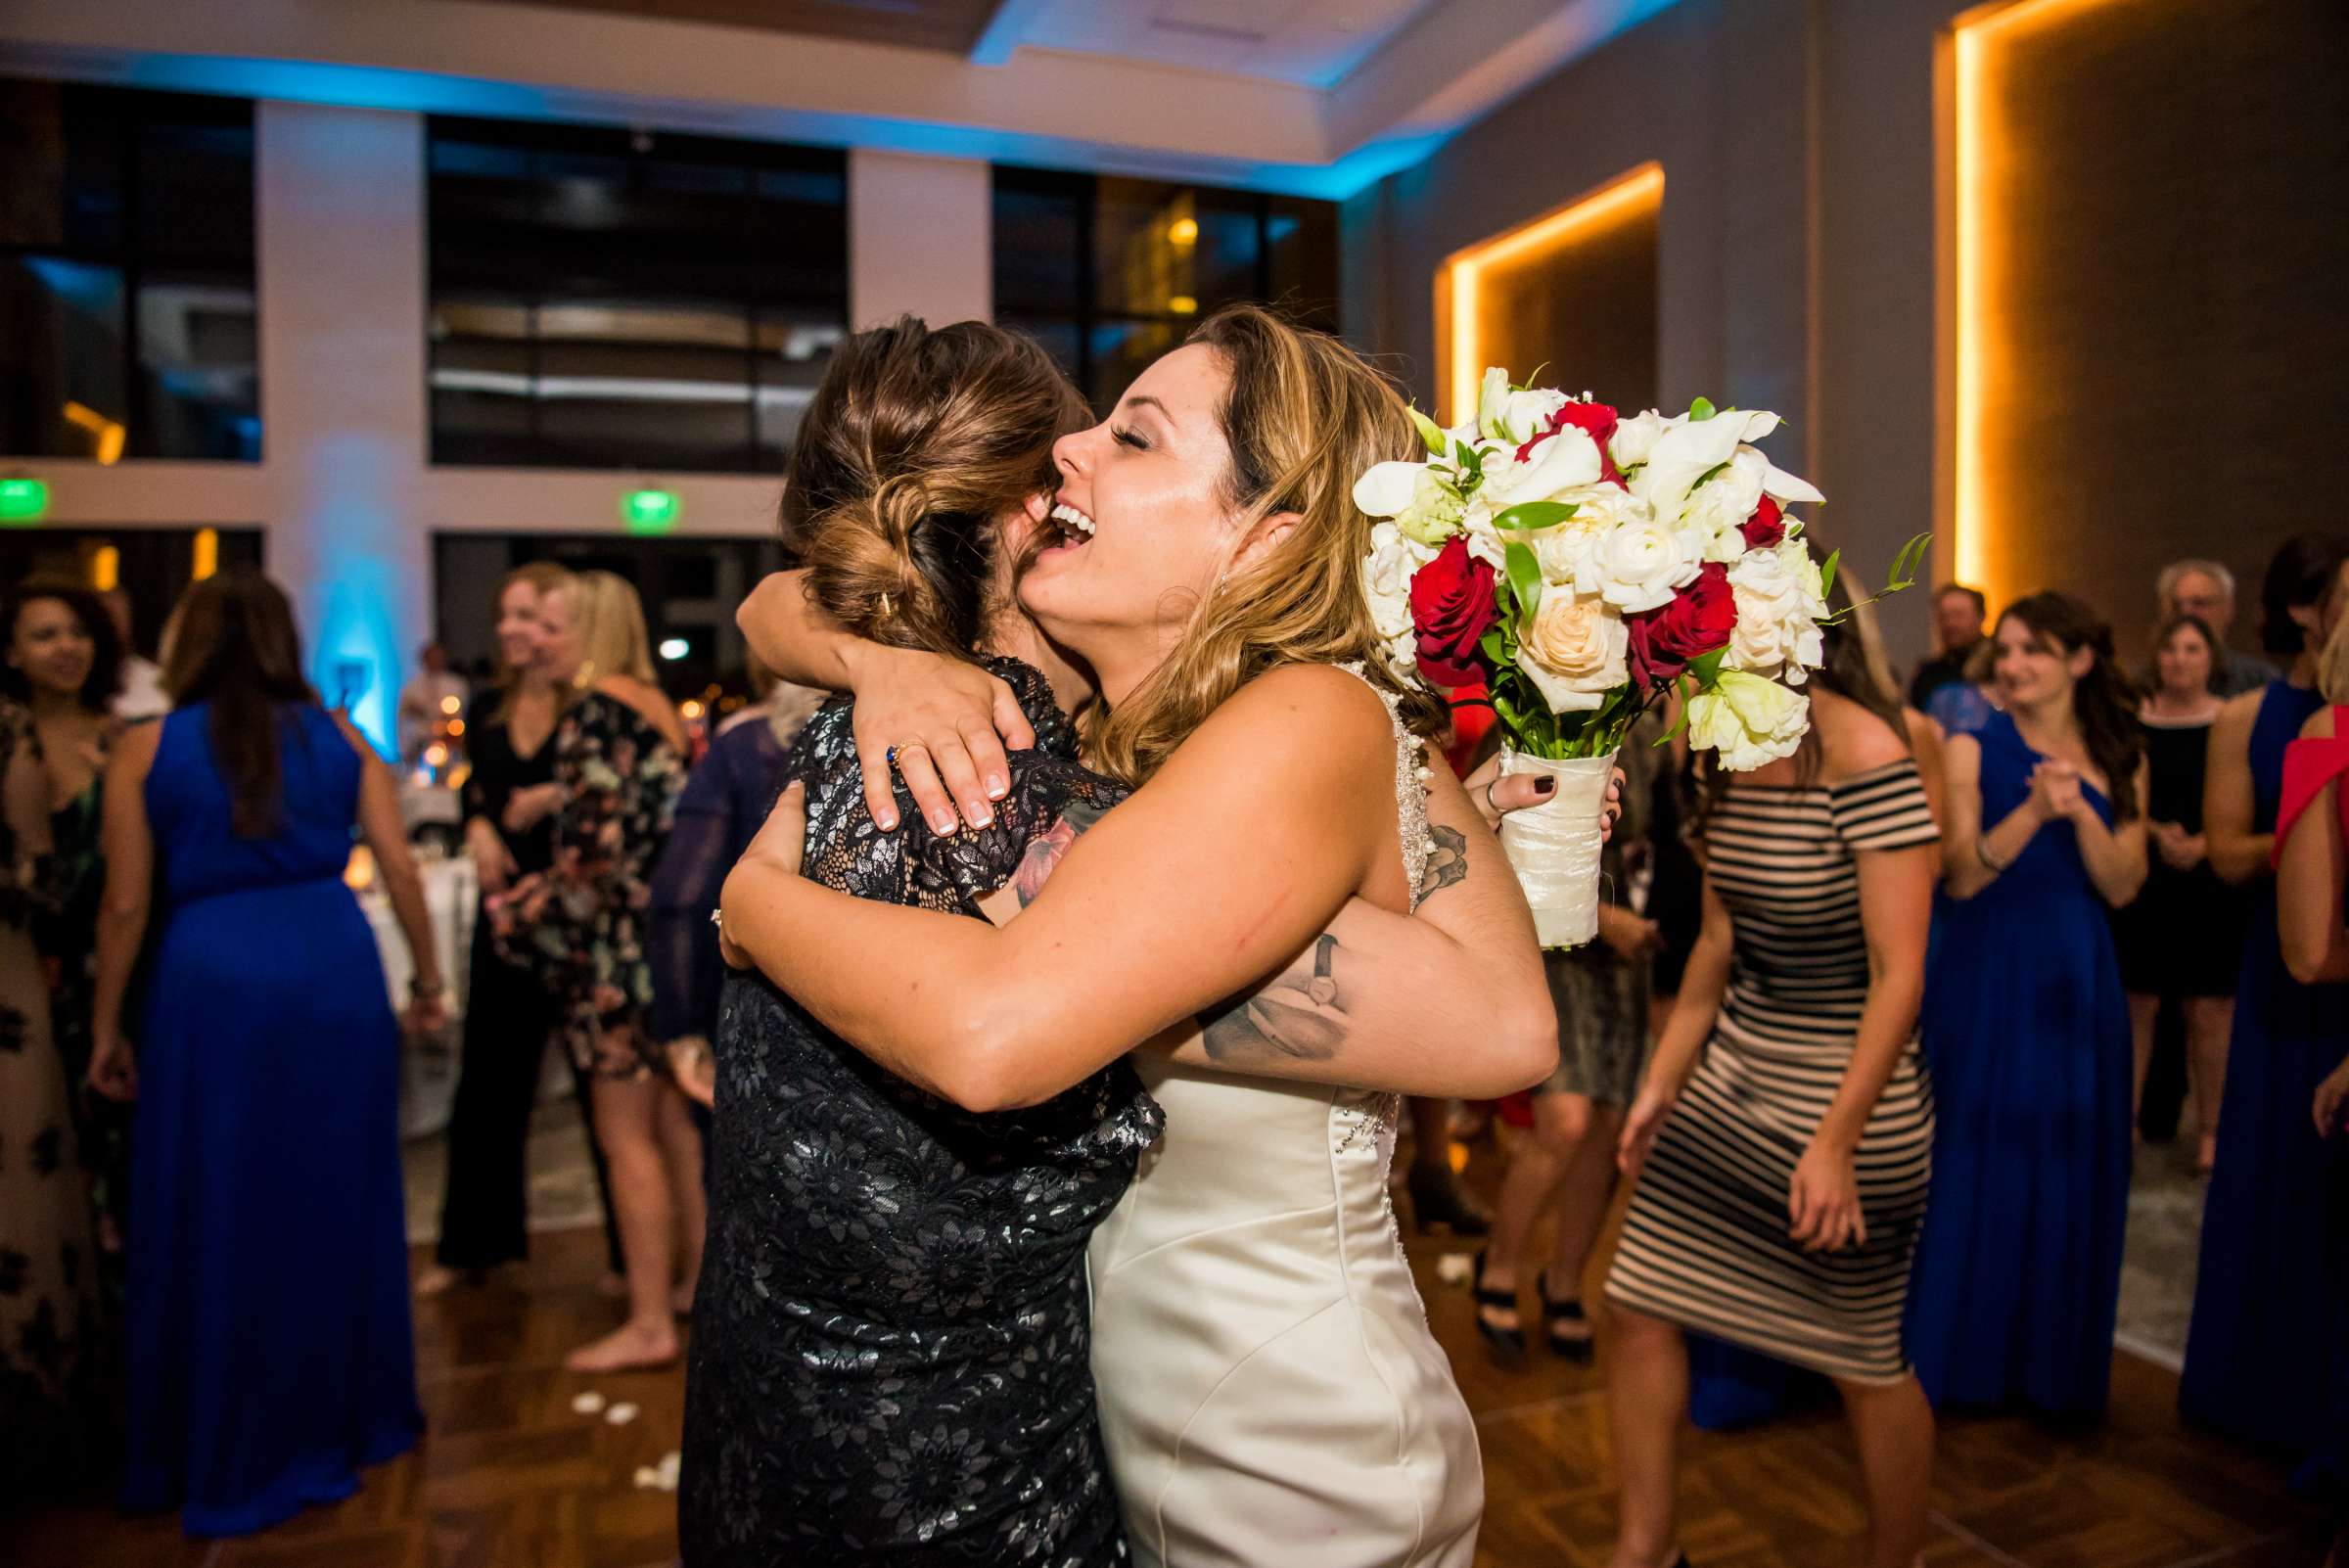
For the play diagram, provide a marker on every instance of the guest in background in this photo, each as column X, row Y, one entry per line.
column 2026, row 1027
column 1779, row 1141
column 53, row 1398
column 142, row 695
column 433, row 696
column 2182, row 937
column 2263, row 1305
column 619, row 753
column 726, row 797
column 64, row 665
column 1958, row 618
column 2205, row 591
column 1566, row 1158
column 509, row 1017
column 269, row 1351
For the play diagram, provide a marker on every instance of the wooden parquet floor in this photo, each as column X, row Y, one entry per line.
column 509, row 1476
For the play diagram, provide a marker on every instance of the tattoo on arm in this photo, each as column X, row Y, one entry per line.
column 1044, row 853
column 1298, row 1014
column 1446, row 860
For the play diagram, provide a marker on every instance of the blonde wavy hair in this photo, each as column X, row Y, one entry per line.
column 611, row 630
column 543, row 577
column 1305, row 417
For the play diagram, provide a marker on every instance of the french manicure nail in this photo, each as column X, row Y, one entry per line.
column 996, row 788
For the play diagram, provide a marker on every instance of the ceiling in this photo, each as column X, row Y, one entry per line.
column 1310, row 97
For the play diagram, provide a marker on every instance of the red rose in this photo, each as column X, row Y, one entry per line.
column 1595, row 420
column 1699, row 620
column 1765, row 528
column 1451, row 609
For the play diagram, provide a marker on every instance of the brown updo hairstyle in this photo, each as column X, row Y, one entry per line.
column 915, row 443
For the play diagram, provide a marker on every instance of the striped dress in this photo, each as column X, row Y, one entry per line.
column 1705, row 1242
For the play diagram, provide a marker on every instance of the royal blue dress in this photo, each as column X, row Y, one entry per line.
column 2267, row 1358
column 2026, row 1033
column 267, row 1320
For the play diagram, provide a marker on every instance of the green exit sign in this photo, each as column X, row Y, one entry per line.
column 22, row 500
column 649, row 510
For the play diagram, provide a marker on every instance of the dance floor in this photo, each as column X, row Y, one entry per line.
column 511, row 1475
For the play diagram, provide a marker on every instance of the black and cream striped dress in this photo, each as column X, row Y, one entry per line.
column 1705, row 1242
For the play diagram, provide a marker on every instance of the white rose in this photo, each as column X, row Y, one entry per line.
column 1688, row 452
column 1641, row 562
column 1636, row 437
column 1717, row 507
column 1747, row 720
column 1563, row 462
column 1568, row 553
column 1575, row 652
column 1387, row 572
column 1525, row 414
column 1778, row 629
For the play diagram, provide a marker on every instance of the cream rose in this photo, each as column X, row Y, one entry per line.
column 1778, row 615
column 1747, row 720
column 1575, row 652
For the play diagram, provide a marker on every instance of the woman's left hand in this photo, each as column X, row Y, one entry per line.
column 780, row 846
column 1822, row 1202
column 113, row 1073
column 2333, row 1094
column 1495, row 797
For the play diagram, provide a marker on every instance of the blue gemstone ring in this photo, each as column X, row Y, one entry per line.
column 907, row 746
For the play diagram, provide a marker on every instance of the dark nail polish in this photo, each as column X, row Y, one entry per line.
column 1545, row 786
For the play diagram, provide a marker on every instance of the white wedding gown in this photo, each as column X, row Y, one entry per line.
column 1269, row 1393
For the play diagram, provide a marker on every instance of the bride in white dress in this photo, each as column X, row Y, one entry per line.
column 1269, row 1389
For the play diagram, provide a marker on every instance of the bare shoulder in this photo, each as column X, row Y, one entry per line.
column 1300, row 727
column 1853, row 740
column 134, row 750
column 2322, row 725
column 2237, row 716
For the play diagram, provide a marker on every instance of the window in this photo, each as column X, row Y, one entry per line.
column 609, row 298
column 127, row 274
column 1110, row 274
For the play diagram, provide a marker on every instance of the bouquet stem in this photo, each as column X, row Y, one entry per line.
column 1554, row 847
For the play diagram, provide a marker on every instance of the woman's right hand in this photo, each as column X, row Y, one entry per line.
column 1495, row 797
column 1641, row 1125
column 950, row 723
column 493, row 863
column 113, row 1073
column 527, row 806
column 2054, row 790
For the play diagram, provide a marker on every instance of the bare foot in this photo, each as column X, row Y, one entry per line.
column 628, row 1348
column 436, row 1280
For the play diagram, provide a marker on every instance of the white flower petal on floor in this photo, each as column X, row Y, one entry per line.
column 587, row 1404
column 621, row 1414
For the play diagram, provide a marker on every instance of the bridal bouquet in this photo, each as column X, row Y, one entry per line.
column 1578, row 566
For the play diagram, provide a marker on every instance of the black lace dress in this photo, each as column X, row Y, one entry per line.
column 891, row 1344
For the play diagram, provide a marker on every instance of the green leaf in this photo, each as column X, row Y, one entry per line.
column 1525, row 580
column 1431, row 433
column 1706, row 667
column 1680, row 722
column 1533, row 376
column 1527, row 514
column 1826, row 571
column 1700, row 412
column 1705, row 477
column 1494, row 646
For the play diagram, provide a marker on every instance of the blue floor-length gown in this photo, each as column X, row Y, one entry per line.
column 2267, row 1358
column 269, row 1354
column 2026, row 1032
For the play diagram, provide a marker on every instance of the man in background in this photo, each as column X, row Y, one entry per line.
column 2206, row 590
column 142, row 696
column 433, row 695
column 1959, row 613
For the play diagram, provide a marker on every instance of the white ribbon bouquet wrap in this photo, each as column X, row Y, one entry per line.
column 1577, row 567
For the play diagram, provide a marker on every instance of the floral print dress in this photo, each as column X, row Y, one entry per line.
column 579, row 925
column 52, row 1343
column 891, row 1345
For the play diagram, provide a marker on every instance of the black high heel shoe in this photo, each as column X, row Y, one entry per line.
column 1436, row 1200
column 1506, row 1343
column 1578, row 1347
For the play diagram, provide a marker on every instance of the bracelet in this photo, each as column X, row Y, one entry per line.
column 1990, row 861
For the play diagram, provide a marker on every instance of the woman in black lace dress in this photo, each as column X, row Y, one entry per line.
column 890, row 1345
